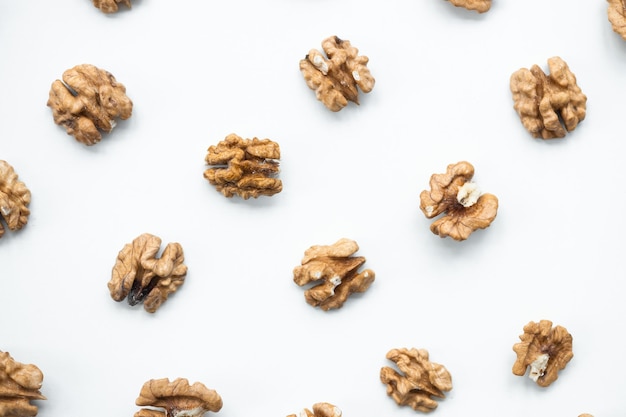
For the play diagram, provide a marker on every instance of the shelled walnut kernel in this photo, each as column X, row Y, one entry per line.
column 141, row 276
column 337, row 79
column 19, row 384
column 617, row 16
column 545, row 349
column 244, row 167
column 320, row 410
column 14, row 199
column 333, row 270
column 178, row 398
column 421, row 379
column 88, row 101
column 465, row 208
column 548, row 105
column 110, row 6
column 481, row 6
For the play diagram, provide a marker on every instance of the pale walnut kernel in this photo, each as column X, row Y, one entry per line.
column 14, row 199
column 334, row 273
column 87, row 102
column 19, row 385
column 337, row 79
column 545, row 350
column 617, row 16
column 548, row 106
column 320, row 410
column 419, row 382
column 110, row 6
column 139, row 275
column 481, row 6
column 244, row 167
column 465, row 208
column 177, row 398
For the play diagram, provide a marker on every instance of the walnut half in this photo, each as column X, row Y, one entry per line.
column 320, row 410
column 19, row 384
column 141, row 276
column 178, row 398
column 545, row 349
column 14, row 199
column 480, row 6
column 421, row 379
column 617, row 16
column 110, row 6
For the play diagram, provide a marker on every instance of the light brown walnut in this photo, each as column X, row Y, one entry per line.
column 545, row 349
column 177, row 398
column 585, row 415
column 110, row 6
column 14, row 199
column 244, row 167
column 139, row 275
column 320, row 410
column 617, row 16
column 481, row 6
column 87, row 102
column 334, row 273
column 337, row 78
column 463, row 206
column 419, row 381
column 19, row 385
column 549, row 106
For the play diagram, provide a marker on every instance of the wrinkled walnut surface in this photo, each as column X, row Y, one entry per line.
column 19, row 384
column 244, row 167
column 481, row 6
column 538, row 340
column 110, row 6
column 549, row 106
column 617, row 16
column 178, row 398
column 88, row 101
column 141, row 276
column 419, row 382
column 320, row 410
column 462, row 215
column 14, row 199
column 335, row 79
column 333, row 270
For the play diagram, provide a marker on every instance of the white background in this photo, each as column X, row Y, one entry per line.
column 199, row 70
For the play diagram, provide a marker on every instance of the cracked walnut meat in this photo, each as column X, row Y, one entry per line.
column 14, row 199
column 244, row 167
column 549, row 106
column 19, row 384
column 110, row 6
column 617, row 16
column 545, row 349
column 87, row 102
column 465, row 209
column 320, row 410
column 338, row 78
column 334, row 273
column 419, row 382
column 481, row 6
column 139, row 275
column 177, row 398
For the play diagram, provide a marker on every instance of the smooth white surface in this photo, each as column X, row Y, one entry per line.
column 199, row 70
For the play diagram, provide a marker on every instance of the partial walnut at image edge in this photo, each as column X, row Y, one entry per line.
column 480, row 6
column 14, row 199
column 176, row 398
column 19, row 385
column 320, row 410
column 141, row 276
column 333, row 273
column 617, row 16
column 87, row 102
column 337, row 77
column 110, row 6
column 464, row 207
column 244, row 167
column 551, row 105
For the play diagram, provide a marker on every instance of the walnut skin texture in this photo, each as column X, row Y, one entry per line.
column 141, row 276
column 335, row 79
column 548, row 106
column 88, row 101
column 333, row 270
column 110, row 6
column 421, row 381
column 545, row 349
column 617, row 16
column 244, row 167
column 178, row 398
column 453, row 193
column 481, row 6
column 19, row 384
column 14, row 199
column 320, row 410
